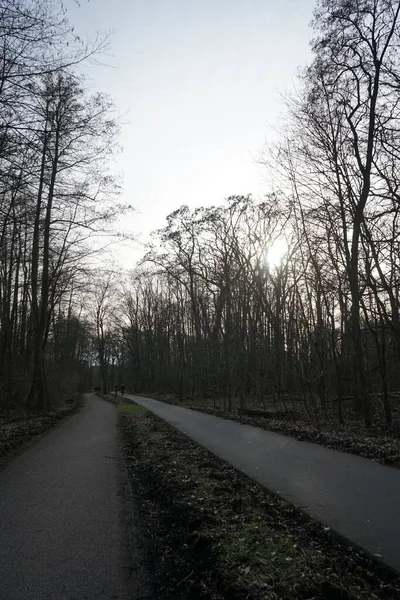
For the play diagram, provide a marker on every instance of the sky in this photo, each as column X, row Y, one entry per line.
column 198, row 85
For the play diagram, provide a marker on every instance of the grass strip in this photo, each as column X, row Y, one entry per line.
column 213, row 533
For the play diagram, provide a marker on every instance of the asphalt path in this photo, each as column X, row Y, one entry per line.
column 355, row 497
column 60, row 513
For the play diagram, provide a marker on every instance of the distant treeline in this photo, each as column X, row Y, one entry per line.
column 208, row 315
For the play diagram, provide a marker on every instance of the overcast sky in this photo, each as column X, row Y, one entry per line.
column 199, row 85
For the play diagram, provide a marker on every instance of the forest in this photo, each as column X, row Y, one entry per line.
column 56, row 200
column 289, row 302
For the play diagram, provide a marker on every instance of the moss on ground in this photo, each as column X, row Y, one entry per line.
column 125, row 407
column 260, row 556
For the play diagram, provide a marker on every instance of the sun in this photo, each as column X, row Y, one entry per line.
column 275, row 253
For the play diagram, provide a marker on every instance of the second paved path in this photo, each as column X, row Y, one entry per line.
column 355, row 497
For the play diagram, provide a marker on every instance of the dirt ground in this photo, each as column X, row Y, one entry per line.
column 377, row 443
column 213, row 533
column 19, row 432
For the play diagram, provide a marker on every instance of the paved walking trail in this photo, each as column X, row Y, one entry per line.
column 61, row 516
column 354, row 496
column 60, row 525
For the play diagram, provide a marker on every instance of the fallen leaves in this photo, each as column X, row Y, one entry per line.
column 216, row 534
column 15, row 434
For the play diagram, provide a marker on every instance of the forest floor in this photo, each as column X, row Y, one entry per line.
column 19, row 431
column 378, row 443
column 214, row 533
